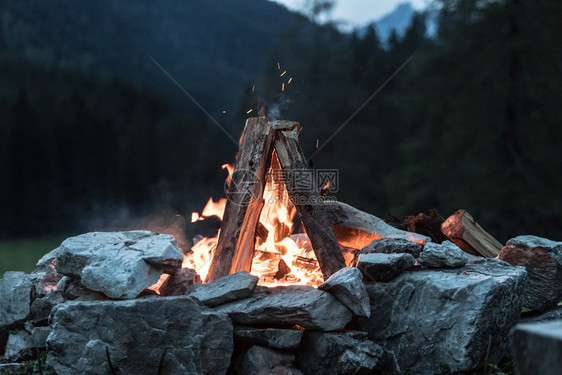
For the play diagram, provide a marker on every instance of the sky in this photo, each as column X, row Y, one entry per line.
column 359, row 12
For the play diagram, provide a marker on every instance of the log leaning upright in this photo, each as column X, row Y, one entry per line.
column 235, row 245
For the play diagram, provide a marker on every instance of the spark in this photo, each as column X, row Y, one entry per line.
column 224, row 111
column 249, row 111
column 283, row 87
column 317, row 141
column 282, row 74
column 253, row 88
column 278, row 66
column 290, row 79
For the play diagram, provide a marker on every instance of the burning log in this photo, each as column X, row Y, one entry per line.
column 307, row 202
column 357, row 229
column 235, row 246
column 465, row 232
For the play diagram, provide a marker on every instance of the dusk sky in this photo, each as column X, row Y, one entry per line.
column 359, row 12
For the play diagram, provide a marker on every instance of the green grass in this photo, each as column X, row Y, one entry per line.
column 22, row 254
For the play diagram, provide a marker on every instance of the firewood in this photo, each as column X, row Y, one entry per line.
column 356, row 229
column 236, row 241
column 428, row 225
column 306, row 200
column 462, row 230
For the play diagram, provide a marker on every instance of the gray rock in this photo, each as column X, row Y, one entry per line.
column 337, row 353
column 178, row 283
column 119, row 264
column 287, row 306
column 17, row 343
column 445, row 255
column 393, row 246
column 272, row 337
column 45, row 283
column 387, row 364
column 226, row 289
column 537, row 348
column 384, row 267
column 39, row 337
column 15, row 294
column 9, row 368
column 71, row 289
column 41, row 307
column 542, row 259
column 47, row 263
column 135, row 333
column 428, row 317
column 259, row 360
column 348, row 288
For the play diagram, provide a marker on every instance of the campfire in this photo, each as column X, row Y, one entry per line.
column 276, row 221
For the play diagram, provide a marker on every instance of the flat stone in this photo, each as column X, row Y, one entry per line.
column 542, row 258
column 537, row 348
column 393, row 246
column 287, row 306
column 384, row 267
column 118, row 264
column 226, row 289
column 445, row 255
column 17, row 343
column 277, row 338
column 259, row 360
column 136, row 333
column 47, row 262
column 71, row 289
column 15, row 294
column 178, row 283
column 337, row 353
column 348, row 288
column 430, row 317
column 39, row 337
column 41, row 307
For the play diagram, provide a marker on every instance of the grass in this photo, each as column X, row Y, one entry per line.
column 22, row 254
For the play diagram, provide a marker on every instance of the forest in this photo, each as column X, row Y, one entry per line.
column 95, row 137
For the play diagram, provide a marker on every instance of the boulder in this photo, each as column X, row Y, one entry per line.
column 287, row 306
column 384, row 267
column 348, row 288
column 445, row 255
column 277, row 338
column 17, row 343
column 337, row 353
column 259, row 360
column 537, row 348
column 542, row 259
column 393, row 246
column 226, row 289
column 118, row 264
column 446, row 316
column 137, row 335
column 15, row 294
column 41, row 307
column 71, row 289
column 178, row 283
column 39, row 337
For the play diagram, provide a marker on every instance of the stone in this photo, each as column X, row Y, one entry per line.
column 71, row 289
column 387, row 364
column 337, row 353
column 542, row 258
column 384, row 267
column 178, row 283
column 9, row 368
column 445, row 255
column 41, row 307
column 15, row 293
column 17, row 343
column 137, row 334
column 393, row 246
column 277, row 338
column 119, row 264
column 429, row 317
column 259, row 360
column 39, row 337
column 348, row 288
column 537, row 348
column 47, row 262
column 226, row 289
column 287, row 306
column 45, row 283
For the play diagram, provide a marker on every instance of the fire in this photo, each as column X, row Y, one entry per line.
column 280, row 256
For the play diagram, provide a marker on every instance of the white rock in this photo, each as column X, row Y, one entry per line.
column 445, row 255
column 226, row 289
column 348, row 288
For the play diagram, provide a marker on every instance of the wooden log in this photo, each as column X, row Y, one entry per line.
column 428, row 225
column 235, row 246
column 307, row 201
column 464, row 231
column 357, row 229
